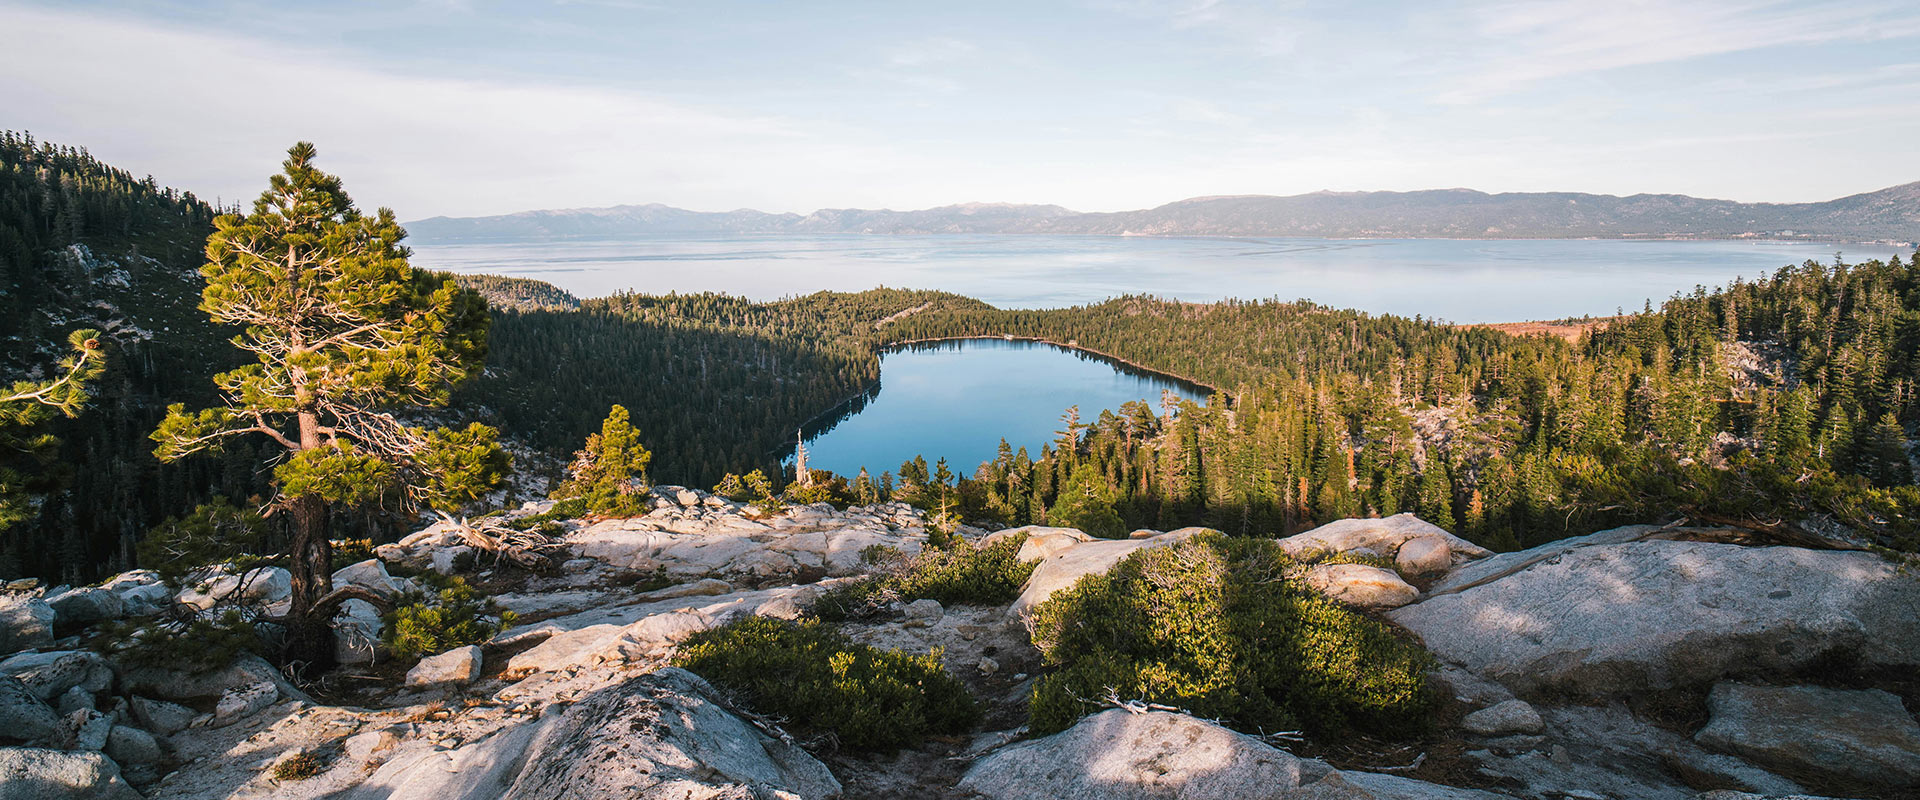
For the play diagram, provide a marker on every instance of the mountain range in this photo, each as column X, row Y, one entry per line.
column 1891, row 214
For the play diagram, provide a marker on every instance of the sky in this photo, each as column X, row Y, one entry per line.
column 466, row 107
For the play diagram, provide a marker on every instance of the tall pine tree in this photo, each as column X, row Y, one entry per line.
column 345, row 333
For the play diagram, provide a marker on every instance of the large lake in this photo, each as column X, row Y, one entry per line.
column 957, row 399
column 1457, row 280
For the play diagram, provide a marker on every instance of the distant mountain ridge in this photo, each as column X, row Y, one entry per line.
column 654, row 218
column 1891, row 214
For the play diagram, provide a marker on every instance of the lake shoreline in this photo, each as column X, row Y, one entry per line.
column 1074, row 346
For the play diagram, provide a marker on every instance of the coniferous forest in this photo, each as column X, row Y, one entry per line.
column 85, row 245
column 1783, row 401
column 1785, row 398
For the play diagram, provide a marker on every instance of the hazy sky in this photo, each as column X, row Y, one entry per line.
column 469, row 107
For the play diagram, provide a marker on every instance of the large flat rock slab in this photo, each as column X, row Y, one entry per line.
column 1068, row 565
column 657, row 736
column 1156, row 755
column 1863, row 737
column 1659, row 614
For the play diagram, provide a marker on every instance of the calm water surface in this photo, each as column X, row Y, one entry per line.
column 957, row 399
column 1462, row 281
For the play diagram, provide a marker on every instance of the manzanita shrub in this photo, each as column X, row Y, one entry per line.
column 826, row 685
column 959, row 574
column 452, row 616
column 1224, row 628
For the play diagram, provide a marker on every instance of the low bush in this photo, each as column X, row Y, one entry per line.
column 958, row 574
column 194, row 645
column 548, row 522
column 826, row 685
column 1225, row 629
column 299, row 767
column 451, row 617
column 215, row 532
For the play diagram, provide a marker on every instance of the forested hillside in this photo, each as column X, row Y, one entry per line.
column 84, row 245
column 715, row 383
column 1774, row 402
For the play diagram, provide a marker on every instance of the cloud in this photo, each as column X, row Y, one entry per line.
column 215, row 114
column 1550, row 39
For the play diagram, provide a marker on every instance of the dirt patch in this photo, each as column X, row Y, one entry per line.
column 1568, row 329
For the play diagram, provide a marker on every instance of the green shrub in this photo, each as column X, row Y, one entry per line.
column 867, row 699
column 1086, row 502
column 1349, row 557
column 959, row 574
column 197, row 645
column 216, row 532
column 347, row 552
column 548, row 522
column 1225, row 629
column 299, row 767
column 450, row 618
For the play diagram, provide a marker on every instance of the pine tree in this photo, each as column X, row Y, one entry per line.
column 25, row 410
column 1436, row 494
column 1086, row 503
column 864, row 491
column 610, row 472
column 345, row 333
column 1883, row 456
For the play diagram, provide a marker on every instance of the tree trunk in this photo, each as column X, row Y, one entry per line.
column 309, row 629
column 310, row 634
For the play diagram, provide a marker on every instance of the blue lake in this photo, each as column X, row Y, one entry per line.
column 1457, row 280
column 957, row 399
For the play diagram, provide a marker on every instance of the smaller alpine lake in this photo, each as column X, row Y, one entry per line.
column 955, row 400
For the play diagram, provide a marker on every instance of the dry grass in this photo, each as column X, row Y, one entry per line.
column 1569, row 330
column 299, row 767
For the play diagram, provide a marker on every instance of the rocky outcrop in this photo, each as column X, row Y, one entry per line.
column 1041, row 541
column 1361, row 585
column 29, row 773
column 702, row 540
column 204, row 685
column 1426, row 546
column 356, row 631
column 653, row 630
column 460, row 665
column 49, row 675
column 1067, row 566
column 372, row 575
column 1504, row 719
column 1858, row 737
column 1115, row 755
column 160, row 716
column 24, row 717
column 657, row 736
column 76, row 608
column 26, row 623
column 1655, row 614
column 1120, row 755
column 260, row 586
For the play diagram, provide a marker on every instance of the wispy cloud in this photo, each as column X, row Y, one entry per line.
column 1547, row 39
column 419, row 144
